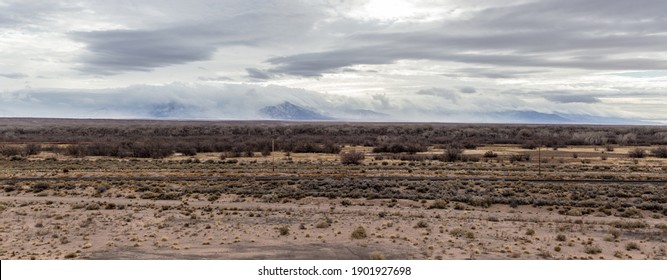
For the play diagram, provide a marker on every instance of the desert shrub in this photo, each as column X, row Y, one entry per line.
column 529, row 145
column 631, row 213
column 39, row 187
column 9, row 188
column 561, row 238
column 266, row 151
column 530, row 231
column 71, row 255
column 325, row 223
column 187, row 151
column 413, row 157
column 376, row 256
column 660, row 152
column 478, row 201
column 469, row 145
column 16, row 158
column 637, row 153
column 460, row 232
column 452, row 153
column 4, row 206
column 283, row 230
column 214, row 197
column 352, row 157
column 520, row 157
column 632, row 246
column 439, row 204
column 609, row 148
column 490, row 154
column 92, row 206
column 592, row 249
column 615, row 234
column 629, row 224
column 410, row 148
column 10, row 151
column 421, row 224
column 359, row 233
column 32, row 149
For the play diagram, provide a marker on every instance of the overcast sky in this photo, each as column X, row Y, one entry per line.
column 418, row 60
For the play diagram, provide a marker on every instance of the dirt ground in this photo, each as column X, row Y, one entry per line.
column 53, row 227
column 108, row 217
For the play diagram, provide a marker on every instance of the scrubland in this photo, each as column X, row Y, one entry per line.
column 85, row 190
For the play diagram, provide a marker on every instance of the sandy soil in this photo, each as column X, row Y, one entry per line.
column 48, row 226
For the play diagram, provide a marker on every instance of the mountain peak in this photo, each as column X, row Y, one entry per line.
column 289, row 111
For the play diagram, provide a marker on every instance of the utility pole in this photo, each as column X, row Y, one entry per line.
column 539, row 160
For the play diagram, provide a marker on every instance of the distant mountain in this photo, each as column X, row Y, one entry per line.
column 168, row 110
column 556, row 118
column 533, row 117
column 363, row 114
column 289, row 111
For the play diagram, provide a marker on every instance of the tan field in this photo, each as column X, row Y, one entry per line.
column 200, row 207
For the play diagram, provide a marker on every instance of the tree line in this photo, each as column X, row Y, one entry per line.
column 153, row 139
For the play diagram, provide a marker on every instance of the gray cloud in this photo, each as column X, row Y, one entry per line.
column 468, row 89
column 573, row 98
column 116, row 51
column 258, row 74
column 13, row 75
column 440, row 92
column 15, row 13
column 243, row 23
column 555, row 34
column 491, row 73
column 215, row 79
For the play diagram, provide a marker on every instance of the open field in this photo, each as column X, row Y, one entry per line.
column 585, row 197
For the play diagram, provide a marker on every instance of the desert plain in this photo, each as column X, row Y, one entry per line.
column 491, row 200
